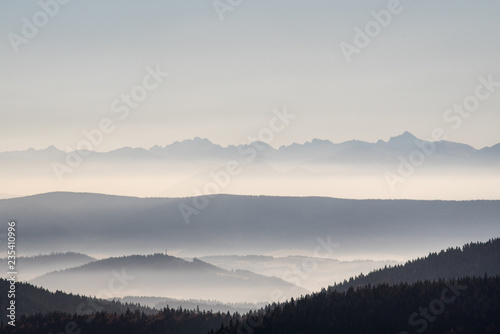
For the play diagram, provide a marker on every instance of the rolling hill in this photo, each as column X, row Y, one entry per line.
column 29, row 267
column 165, row 276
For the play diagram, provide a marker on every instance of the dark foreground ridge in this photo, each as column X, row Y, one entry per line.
column 472, row 260
column 468, row 305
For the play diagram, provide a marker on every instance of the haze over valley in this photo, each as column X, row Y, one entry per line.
column 404, row 167
column 249, row 167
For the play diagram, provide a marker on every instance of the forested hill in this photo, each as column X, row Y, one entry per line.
column 31, row 299
column 41, row 311
column 431, row 304
column 473, row 259
column 468, row 305
column 34, row 266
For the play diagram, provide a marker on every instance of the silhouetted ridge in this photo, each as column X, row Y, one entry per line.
column 472, row 260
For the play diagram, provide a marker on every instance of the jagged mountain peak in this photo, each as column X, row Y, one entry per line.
column 404, row 137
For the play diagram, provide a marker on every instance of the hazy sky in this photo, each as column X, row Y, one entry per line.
column 226, row 76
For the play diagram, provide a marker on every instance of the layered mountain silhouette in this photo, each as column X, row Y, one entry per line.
column 33, row 266
column 160, row 303
column 308, row 272
column 401, row 167
column 453, row 291
column 467, row 305
column 467, row 302
column 241, row 225
column 167, row 276
column 197, row 149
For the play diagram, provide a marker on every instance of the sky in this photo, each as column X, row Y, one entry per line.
column 232, row 64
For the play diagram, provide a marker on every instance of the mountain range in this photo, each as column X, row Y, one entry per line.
column 316, row 150
column 404, row 167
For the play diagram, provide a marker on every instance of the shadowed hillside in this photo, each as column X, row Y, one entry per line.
column 30, row 267
column 471, row 260
column 167, row 276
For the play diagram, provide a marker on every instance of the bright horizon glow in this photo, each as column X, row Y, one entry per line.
column 226, row 77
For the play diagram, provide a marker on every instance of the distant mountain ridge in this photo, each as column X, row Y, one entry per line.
column 327, row 270
column 316, row 149
column 192, row 304
column 401, row 167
